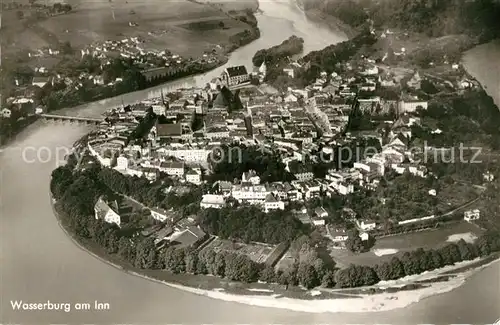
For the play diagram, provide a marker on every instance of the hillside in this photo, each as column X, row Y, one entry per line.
column 477, row 18
column 291, row 46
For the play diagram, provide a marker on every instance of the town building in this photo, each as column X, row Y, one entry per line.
column 271, row 203
column 250, row 177
column 190, row 237
column 234, row 76
column 104, row 211
column 167, row 131
column 159, row 214
column 40, row 81
column 212, row 201
column 411, row 106
column 472, row 215
column 172, row 168
column 250, row 193
column 193, row 176
column 320, row 212
column 339, row 235
column 367, row 224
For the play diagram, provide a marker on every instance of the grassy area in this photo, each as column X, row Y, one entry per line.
column 256, row 252
column 455, row 195
column 401, row 243
column 159, row 24
column 230, row 6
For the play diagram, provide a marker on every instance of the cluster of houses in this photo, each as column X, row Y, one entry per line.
column 182, row 234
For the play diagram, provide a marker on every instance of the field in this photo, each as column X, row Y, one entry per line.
column 232, row 5
column 256, row 252
column 161, row 24
column 391, row 246
column 455, row 196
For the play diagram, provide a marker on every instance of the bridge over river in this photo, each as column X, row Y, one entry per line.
column 87, row 120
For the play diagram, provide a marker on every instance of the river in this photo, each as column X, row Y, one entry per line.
column 483, row 62
column 39, row 263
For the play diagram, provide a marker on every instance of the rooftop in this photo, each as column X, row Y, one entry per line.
column 236, row 71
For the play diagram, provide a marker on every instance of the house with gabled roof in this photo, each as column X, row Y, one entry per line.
column 107, row 212
column 40, row 81
column 233, row 76
column 193, row 176
column 271, row 203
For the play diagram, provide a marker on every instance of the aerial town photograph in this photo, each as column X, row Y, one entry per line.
column 250, row 162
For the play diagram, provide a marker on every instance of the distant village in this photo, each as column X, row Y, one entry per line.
column 29, row 86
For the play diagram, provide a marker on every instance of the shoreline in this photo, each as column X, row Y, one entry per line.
column 331, row 22
column 347, row 303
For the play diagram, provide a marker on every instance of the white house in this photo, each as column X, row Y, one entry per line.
column 488, row 177
column 159, row 109
column 217, row 132
column 172, row 168
column 159, row 214
column 345, row 188
column 320, row 212
column 193, row 176
column 98, row 80
column 271, row 203
column 5, row 113
column 252, row 193
column 411, row 106
column 364, row 236
column 103, row 211
column 121, row 163
column 187, row 154
column 290, row 98
column 339, row 235
column 367, row 224
column 40, row 81
column 471, row 215
column 432, row 192
column 212, row 201
column 250, row 177
column 318, row 221
column 290, row 72
column 303, row 175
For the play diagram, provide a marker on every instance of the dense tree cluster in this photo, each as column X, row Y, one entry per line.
column 230, row 162
column 350, row 12
column 273, row 55
column 343, row 156
column 417, row 261
column 76, row 193
column 144, row 126
column 327, row 58
column 308, row 270
column 469, row 117
column 243, row 38
column 151, row 194
column 355, row 244
column 434, row 18
column 249, row 223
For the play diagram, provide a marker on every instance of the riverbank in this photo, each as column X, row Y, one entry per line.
column 384, row 296
column 477, row 63
column 332, row 22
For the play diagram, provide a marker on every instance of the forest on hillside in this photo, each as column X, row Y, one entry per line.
column 432, row 17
